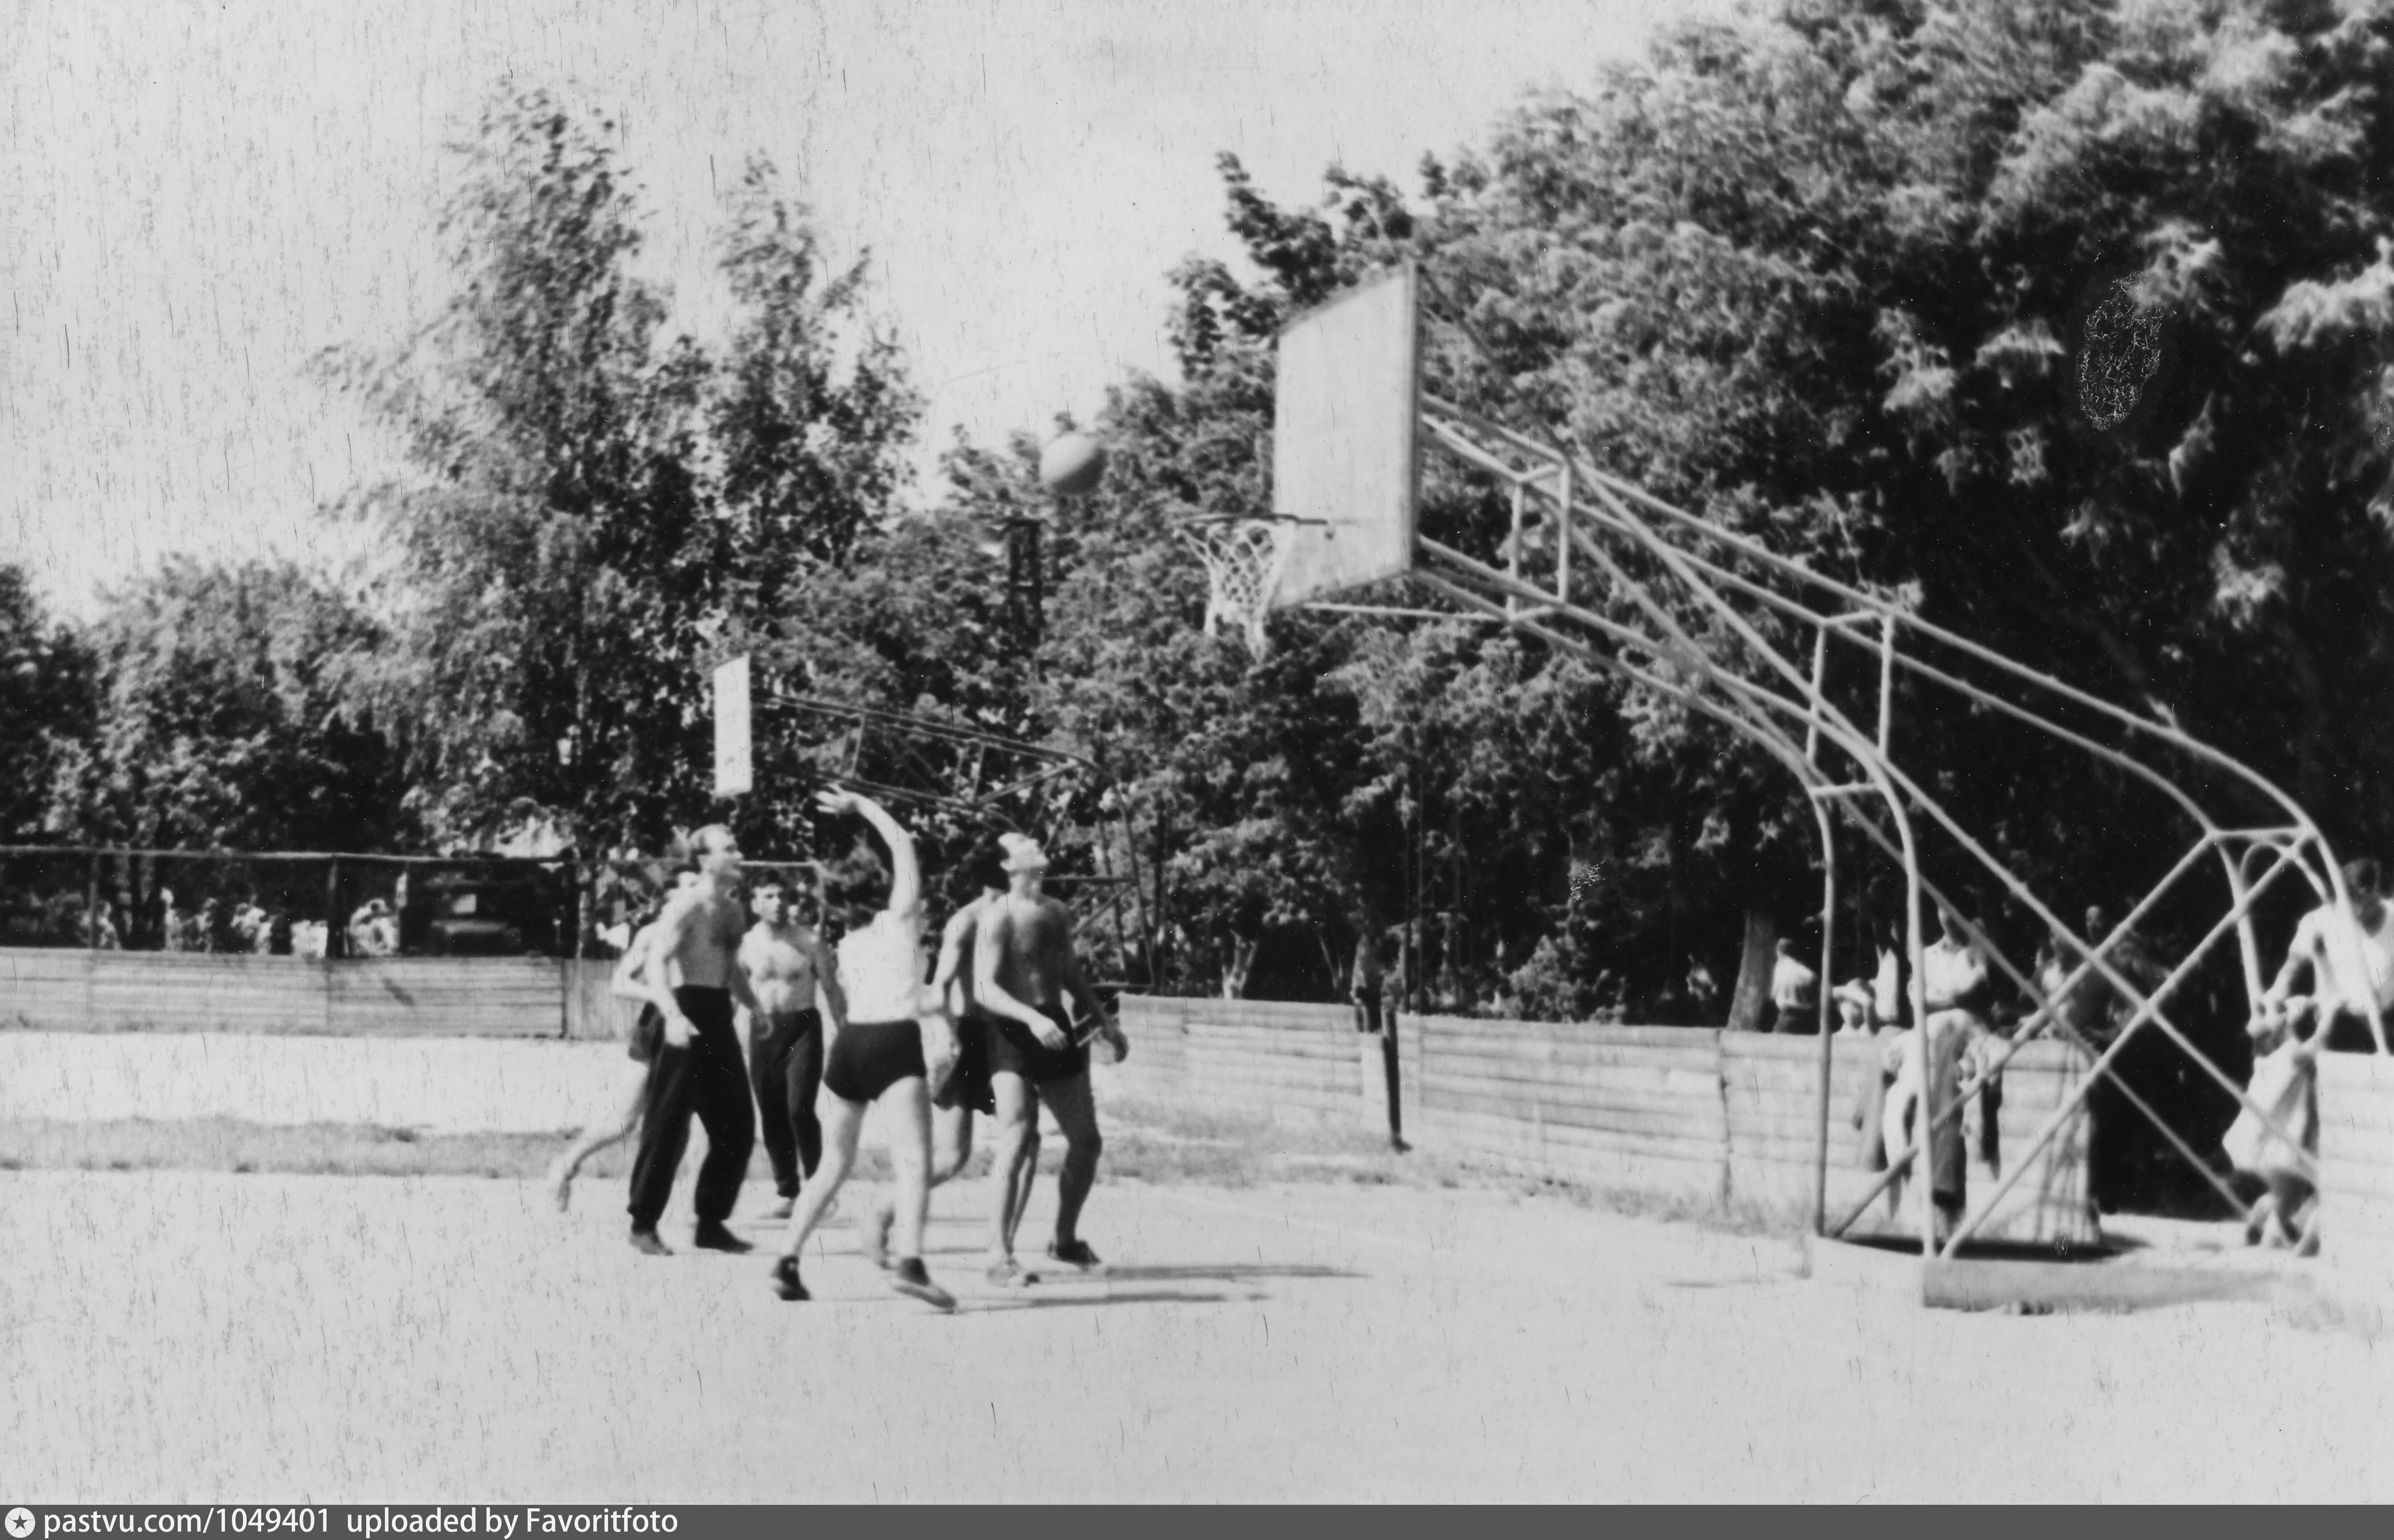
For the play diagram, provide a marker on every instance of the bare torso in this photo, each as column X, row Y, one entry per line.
column 709, row 945
column 779, row 961
column 1033, row 938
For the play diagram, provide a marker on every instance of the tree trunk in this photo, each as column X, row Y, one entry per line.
column 1753, row 993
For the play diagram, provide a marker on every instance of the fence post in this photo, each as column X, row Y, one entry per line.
column 335, row 941
column 1395, row 1078
column 91, row 905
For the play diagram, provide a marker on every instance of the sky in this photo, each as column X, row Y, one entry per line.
column 202, row 197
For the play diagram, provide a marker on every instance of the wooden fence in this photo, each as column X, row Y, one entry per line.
column 1713, row 1119
column 75, row 990
column 1709, row 1119
column 2356, row 1095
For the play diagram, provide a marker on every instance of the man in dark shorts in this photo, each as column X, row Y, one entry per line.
column 968, row 1089
column 791, row 973
column 1023, row 967
column 698, row 1069
column 878, row 1058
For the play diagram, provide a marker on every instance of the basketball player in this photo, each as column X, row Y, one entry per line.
column 878, row 1057
column 791, row 973
column 622, row 1113
column 1023, row 967
column 694, row 976
column 967, row 1089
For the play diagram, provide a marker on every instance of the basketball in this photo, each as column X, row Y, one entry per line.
column 1072, row 464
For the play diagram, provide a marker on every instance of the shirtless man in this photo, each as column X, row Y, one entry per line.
column 2350, row 955
column 790, row 973
column 878, row 1057
column 694, row 977
column 623, row 1109
column 1023, row 967
column 967, row 1089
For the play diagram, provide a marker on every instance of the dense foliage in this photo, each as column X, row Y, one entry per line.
column 1835, row 274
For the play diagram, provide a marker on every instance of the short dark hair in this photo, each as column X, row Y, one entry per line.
column 769, row 883
column 986, row 864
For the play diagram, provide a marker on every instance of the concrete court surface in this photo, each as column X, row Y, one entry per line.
column 201, row 1337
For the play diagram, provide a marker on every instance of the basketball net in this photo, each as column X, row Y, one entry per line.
column 1244, row 558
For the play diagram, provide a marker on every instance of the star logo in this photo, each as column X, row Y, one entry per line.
column 20, row 1522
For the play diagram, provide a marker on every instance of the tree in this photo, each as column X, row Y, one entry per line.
column 595, row 516
column 1832, row 275
column 223, row 723
column 46, row 698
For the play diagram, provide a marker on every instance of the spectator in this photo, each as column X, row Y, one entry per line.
column 99, row 928
column 1365, row 986
column 373, row 929
column 179, row 930
column 2348, row 952
column 1793, row 992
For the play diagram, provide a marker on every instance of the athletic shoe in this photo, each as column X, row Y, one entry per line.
column 1006, row 1272
column 908, row 1278
column 872, row 1240
column 782, row 1209
column 1073, row 1254
column 712, row 1236
column 648, row 1244
column 786, row 1280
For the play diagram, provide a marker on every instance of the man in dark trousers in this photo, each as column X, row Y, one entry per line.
column 698, row 1067
column 790, row 973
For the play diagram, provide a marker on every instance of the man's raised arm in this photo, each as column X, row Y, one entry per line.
column 905, row 871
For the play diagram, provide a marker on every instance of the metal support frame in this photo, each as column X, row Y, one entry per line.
column 1588, row 564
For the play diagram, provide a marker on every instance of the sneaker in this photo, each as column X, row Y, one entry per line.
column 872, row 1240
column 712, row 1236
column 786, row 1280
column 1006, row 1272
column 782, row 1209
column 1073, row 1254
column 908, row 1278
column 649, row 1244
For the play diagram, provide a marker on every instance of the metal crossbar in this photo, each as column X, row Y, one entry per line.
column 1677, row 624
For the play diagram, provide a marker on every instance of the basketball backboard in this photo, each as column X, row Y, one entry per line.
column 1344, row 422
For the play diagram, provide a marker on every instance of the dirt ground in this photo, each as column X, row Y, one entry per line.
column 185, row 1336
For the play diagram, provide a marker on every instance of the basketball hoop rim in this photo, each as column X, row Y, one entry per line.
column 1203, row 521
